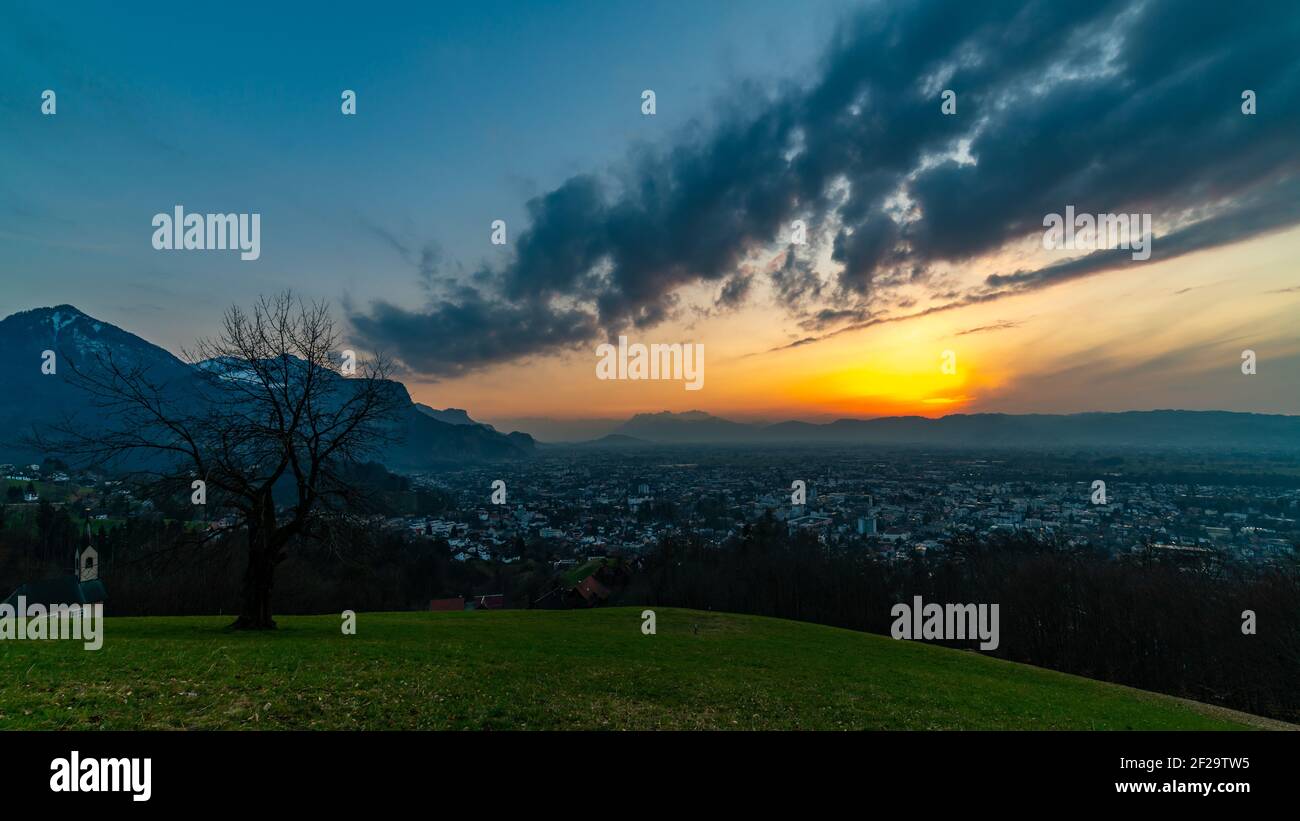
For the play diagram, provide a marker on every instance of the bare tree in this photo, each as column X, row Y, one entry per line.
column 270, row 418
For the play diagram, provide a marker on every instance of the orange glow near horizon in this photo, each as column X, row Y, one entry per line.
column 1167, row 334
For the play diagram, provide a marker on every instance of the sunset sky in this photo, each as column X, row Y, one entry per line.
column 924, row 229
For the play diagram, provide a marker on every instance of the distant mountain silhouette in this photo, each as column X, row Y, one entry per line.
column 1158, row 428
column 686, row 428
column 609, row 441
column 33, row 400
column 452, row 416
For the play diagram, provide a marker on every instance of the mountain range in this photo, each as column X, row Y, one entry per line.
column 33, row 400
column 1156, row 428
column 431, row 438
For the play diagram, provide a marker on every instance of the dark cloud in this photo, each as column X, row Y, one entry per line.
column 1111, row 107
column 1259, row 212
column 735, row 291
column 794, row 281
column 467, row 332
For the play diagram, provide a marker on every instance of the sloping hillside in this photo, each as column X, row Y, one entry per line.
column 549, row 670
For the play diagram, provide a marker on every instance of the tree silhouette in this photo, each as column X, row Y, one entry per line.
column 266, row 419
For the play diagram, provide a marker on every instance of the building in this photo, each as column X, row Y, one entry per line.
column 88, row 564
column 590, row 592
column 82, row 586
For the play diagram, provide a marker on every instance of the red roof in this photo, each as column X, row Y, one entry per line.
column 589, row 588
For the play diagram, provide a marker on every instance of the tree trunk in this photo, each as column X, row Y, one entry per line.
column 255, row 606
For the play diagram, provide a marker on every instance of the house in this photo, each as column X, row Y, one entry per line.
column 590, row 591
column 447, row 605
column 492, row 601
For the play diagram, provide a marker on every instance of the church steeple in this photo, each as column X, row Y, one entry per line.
column 87, row 560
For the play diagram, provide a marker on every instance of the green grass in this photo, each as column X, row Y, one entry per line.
column 547, row 670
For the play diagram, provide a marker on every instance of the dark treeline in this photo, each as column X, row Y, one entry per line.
column 38, row 541
column 152, row 565
column 380, row 570
column 1147, row 624
column 156, row 560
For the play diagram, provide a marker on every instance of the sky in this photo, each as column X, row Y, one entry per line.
column 923, row 286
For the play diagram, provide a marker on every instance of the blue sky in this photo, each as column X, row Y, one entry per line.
column 465, row 110
column 925, row 228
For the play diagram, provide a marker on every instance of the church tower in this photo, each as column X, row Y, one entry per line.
column 87, row 569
